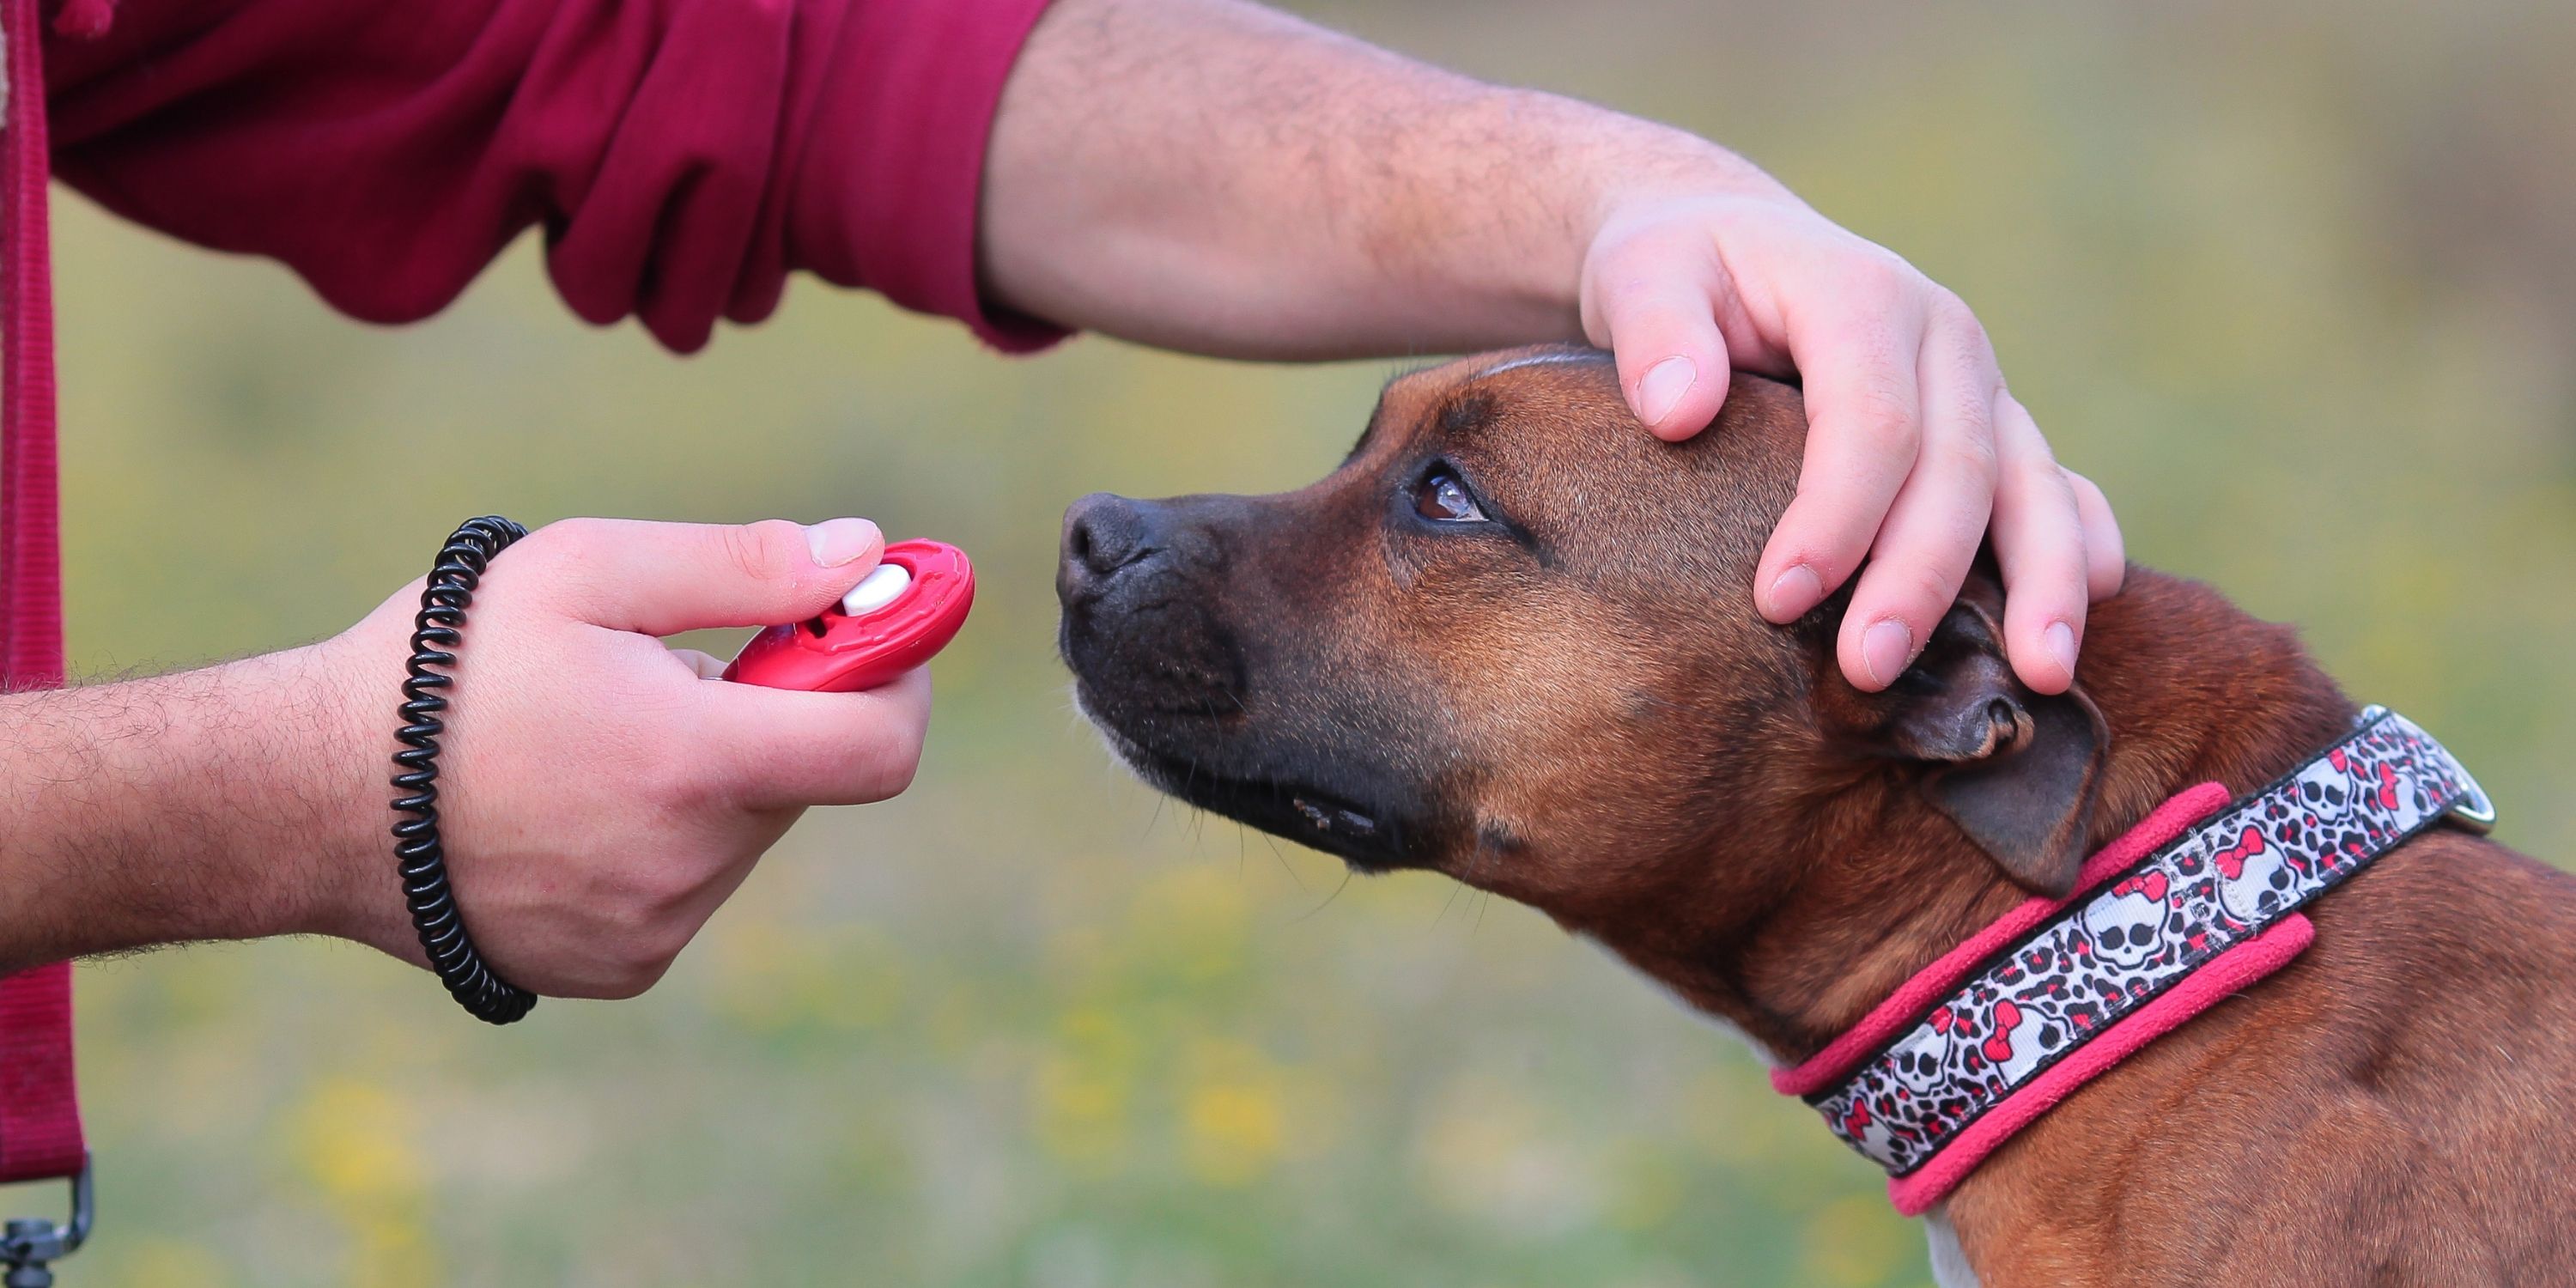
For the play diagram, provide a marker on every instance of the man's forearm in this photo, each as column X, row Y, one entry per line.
column 1217, row 177
column 175, row 808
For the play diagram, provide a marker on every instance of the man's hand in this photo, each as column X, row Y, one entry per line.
column 1914, row 445
column 1213, row 176
column 601, row 793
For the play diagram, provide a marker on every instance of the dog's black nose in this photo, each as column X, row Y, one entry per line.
column 1105, row 534
column 1143, row 589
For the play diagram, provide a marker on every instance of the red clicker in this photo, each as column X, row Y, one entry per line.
column 898, row 618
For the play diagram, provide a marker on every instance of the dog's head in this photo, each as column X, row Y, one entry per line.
column 1512, row 639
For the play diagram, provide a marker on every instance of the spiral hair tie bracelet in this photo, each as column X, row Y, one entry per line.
column 418, row 855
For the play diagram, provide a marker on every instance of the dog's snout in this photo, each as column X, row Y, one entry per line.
column 1105, row 534
column 1144, row 625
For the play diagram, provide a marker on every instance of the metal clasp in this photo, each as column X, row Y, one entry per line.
column 2475, row 812
column 29, row 1245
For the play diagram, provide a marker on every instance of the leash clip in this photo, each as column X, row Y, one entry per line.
column 29, row 1245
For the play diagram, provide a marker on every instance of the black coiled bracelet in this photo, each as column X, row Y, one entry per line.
column 418, row 855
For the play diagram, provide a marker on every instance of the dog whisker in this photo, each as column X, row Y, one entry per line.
column 1281, row 856
column 1345, row 884
column 1447, row 904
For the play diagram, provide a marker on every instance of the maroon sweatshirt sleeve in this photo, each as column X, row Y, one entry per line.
column 683, row 156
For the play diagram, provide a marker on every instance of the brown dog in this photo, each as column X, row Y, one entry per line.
column 1510, row 640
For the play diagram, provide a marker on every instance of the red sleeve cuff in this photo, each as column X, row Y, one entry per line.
column 893, row 170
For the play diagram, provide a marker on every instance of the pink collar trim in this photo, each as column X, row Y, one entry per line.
column 2055, row 992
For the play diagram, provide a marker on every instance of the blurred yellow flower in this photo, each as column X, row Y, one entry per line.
column 357, row 1143
column 1234, row 1126
column 1234, row 1132
column 355, row 1140
column 1080, row 1091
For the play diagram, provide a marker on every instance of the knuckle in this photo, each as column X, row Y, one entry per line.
column 626, row 968
column 1952, row 314
column 764, row 551
column 563, row 555
column 2045, row 492
column 2031, row 451
column 888, row 768
column 1617, row 277
column 2024, row 480
column 635, row 976
column 663, row 892
column 666, row 944
column 1971, row 453
column 895, row 779
column 2086, row 491
column 1884, row 425
column 885, row 764
column 1880, row 275
column 675, row 788
column 1920, row 592
column 650, row 929
column 1628, row 263
column 568, row 541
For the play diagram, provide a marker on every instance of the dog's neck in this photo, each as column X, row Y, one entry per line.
column 1884, row 884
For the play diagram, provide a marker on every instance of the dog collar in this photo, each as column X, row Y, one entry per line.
column 2197, row 901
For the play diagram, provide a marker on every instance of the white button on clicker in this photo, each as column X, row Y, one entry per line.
column 882, row 587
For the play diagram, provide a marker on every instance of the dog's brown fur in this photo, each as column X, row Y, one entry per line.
column 1576, row 706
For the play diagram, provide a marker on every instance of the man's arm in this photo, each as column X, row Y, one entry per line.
column 600, row 794
column 1224, row 178
column 387, row 154
column 1213, row 176
column 175, row 808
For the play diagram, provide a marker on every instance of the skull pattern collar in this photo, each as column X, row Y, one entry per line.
column 2197, row 901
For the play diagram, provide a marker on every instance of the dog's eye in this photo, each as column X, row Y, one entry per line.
column 1441, row 498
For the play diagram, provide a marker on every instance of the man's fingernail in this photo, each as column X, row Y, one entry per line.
column 1885, row 649
column 2059, row 640
column 1793, row 592
column 838, row 541
column 1664, row 385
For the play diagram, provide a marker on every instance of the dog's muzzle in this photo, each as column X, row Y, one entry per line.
column 1137, row 630
column 1158, row 666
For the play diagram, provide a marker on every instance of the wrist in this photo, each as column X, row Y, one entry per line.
column 291, row 800
column 1601, row 167
column 343, row 883
column 1653, row 162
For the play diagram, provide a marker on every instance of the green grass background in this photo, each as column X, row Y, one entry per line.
column 2292, row 284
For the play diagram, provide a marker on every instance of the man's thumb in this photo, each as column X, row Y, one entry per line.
column 664, row 578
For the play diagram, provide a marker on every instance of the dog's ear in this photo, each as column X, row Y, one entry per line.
column 2016, row 770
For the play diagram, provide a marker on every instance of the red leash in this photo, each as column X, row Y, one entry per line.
column 40, row 1127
